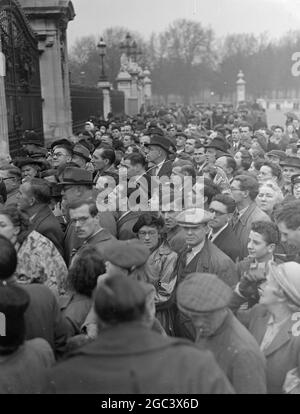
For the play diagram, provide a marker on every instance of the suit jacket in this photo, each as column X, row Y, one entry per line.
column 132, row 359
column 165, row 171
column 228, row 243
column 209, row 260
column 72, row 242
column 242, row 226
column 101, row 240
column 47, row 224
column 125, row 224
column 283, row 354
column 239, row 356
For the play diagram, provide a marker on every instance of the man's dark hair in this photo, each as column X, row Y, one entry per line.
column 210, row 189
column 40, row 189
column 225, row 199
column 108, row 154
column 8, row 258
column 248, row 183
column 289, row 214
column 268, row 230
column 93, row 210
column 231, row 163
column 136, row 159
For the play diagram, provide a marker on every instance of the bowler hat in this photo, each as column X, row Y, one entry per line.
column 162, row 142
column 31, row 137
column 62, row 143
column 219, row 144
column 76, row 176
column 291, row 162
column 193, row 217
column 21, row 162
column 202, row 292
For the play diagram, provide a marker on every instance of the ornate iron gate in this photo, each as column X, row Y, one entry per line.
column 22, row 81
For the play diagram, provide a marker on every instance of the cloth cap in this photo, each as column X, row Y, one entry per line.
column 290, row 162
column 202, row 292
column 193, row 217
column 31, row 137
column 287, row 277
column 62, row 142
column 126, row 254
column 277, row 153
column 82, row 151
column 76, row 176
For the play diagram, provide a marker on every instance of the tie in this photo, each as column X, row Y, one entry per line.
column 235, row 218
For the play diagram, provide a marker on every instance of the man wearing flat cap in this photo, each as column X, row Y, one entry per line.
column 203, row 299
column 158, row 152
column 199, row 254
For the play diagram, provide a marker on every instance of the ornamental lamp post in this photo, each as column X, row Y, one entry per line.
column 102, row 52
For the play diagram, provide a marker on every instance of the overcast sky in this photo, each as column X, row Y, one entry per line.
column 224, row 16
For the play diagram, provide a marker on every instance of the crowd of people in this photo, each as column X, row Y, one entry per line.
column 199, row 295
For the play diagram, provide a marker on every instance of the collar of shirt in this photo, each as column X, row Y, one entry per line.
column 241, row 212
column 212, row 236
column 158, row 167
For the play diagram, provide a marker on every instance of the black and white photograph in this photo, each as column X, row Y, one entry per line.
column 149, row 200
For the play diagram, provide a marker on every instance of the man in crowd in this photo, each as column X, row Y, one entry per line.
column 103, row 160
column 11, row 177
column 290, row 166
column 81, row 156
column 244, row 190
column 221, row 233
column 158, row 151
column 203, row 298
column 34, row 199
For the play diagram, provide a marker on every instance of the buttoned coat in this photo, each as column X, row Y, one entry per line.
column 242, row 226
column 283, row 354
column 132, row 359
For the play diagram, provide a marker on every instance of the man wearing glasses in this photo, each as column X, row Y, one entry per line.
column 84, row 217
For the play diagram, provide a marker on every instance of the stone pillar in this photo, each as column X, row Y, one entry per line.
column 240, row 87
column 4, row 143
column 124, row 85
column 105, row 86
column 49, row 19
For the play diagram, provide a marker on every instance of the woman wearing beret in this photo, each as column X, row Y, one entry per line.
column 39, row 261
column 275, row 324
column 159, row 270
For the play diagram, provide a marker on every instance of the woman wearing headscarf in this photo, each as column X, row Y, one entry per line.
column 275, row 323
column 159, row 270
column 39, row 261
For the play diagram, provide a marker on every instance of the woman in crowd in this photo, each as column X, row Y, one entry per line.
column 269, row 195
column 243, row 161
column 159, row 270
column 81, row 282
column 273, row 323
column 39, row 261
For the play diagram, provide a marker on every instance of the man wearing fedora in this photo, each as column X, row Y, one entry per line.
column 158, row 151
column 33, row 146
column 77, row 184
